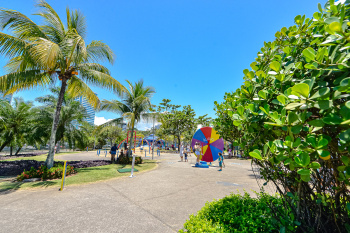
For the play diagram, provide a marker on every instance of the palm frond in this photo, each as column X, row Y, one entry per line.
column 11, row 46
column 24, row 80
column 93, row 66
column 20, row 25
column 77, row 87
column 54, row 27
column 46, row 53
column 101, row 79
column 114, row 106
column 99, row 51
column 75, row 48
column 76, row 20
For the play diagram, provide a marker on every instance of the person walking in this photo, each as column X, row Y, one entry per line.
column 221, row 161
column 181, row 152
column 113, row 152
column 186, row 153
column 197, row 148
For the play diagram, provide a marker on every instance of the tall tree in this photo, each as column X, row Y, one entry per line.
column 17, row 122
column 134, row 104
column 176, row 122
column 41, row 54
column 72, row 114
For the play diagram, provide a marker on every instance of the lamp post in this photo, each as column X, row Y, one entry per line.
column 153, row 138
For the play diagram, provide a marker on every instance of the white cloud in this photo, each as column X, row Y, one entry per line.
column 143, row 125
column 101, row 120
column 340, row 1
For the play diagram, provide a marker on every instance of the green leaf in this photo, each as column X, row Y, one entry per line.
column 345, row 82
column 345, row 135
column 323, row 104
column 293, row 106
column 322, row 92
column 302, row 89
column 309, row 53
column 240, row 110
column 292, row 117
column 316, row 123
column 304, row 171
column 315, row 165
column 262, row 94
column 324, row 154
column 320, row 7
column 282, row 99
column 264, row 110
column 305, row 178
column 331, row 20
column 335, row 26
column 322, row 143
column 347, row 104
column 303, row 159
column 346, row 160
column 275, row 65
column 296, row 129
column 332, row 119
column 255, row 154
column 297, row 142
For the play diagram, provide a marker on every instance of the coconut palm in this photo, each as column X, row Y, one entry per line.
column 134, row 105
column 17, row 122
column 40, row 55
column 72, row 114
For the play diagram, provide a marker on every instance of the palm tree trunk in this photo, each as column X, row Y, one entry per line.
column 18, row 150
column 4, row 144
column 133, row 156
column 56, row 119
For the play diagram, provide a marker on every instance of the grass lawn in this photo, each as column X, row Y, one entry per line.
column 42, row 157
column 84, row 176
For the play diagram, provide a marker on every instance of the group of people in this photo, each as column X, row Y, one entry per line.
column 186, row 151
column 113, row 153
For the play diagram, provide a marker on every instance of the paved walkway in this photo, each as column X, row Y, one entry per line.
column 156, row 201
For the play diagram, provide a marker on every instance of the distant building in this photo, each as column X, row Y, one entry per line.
column 89, row 109
column 121, row 125
column 8, row 98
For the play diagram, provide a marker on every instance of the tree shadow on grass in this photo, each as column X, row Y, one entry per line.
column 44, row 184
column 10, row 188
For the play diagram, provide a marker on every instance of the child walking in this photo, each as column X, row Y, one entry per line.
column 186, row 153
column 221, row 160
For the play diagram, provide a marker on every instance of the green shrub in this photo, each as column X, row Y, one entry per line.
column 46, row 174
column 292, row 115
column 128, row 160
column 237, row 213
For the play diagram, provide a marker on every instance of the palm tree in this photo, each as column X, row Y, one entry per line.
column 41, row 54
column 135, row 104
column 72, row 113
column 17, row 122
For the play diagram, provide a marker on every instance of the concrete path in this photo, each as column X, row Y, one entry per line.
column 156, row 201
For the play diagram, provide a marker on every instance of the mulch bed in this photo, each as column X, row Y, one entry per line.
column 14, row 168
column 21, row 155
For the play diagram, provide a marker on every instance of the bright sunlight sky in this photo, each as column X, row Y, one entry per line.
column 190, row 51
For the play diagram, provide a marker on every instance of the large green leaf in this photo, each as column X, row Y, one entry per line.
column 324, row 104
column 302, row 160
column 322, row 92
column 282, row 99
column 335, row 26
column 292, row 106
column 256, row 154
column 317, row 123
column 302, row 89
column 309, row 53
column 345, row 135
column 275, row 65
column 332, row 119
column 304, row 171
column 346, row 160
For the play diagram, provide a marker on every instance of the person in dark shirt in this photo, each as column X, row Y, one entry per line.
column 113, row 152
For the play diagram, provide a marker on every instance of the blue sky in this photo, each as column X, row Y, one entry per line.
column 190, row 51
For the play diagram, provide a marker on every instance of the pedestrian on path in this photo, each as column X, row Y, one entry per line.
column 221, row 161
column 186, row 152
column 197, row 148
column 181, row 152
column 113, row 152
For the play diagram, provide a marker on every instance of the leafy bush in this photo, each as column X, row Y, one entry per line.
column 46, row 174
column 237, row 213
column 292, row 115
column 128, row 160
